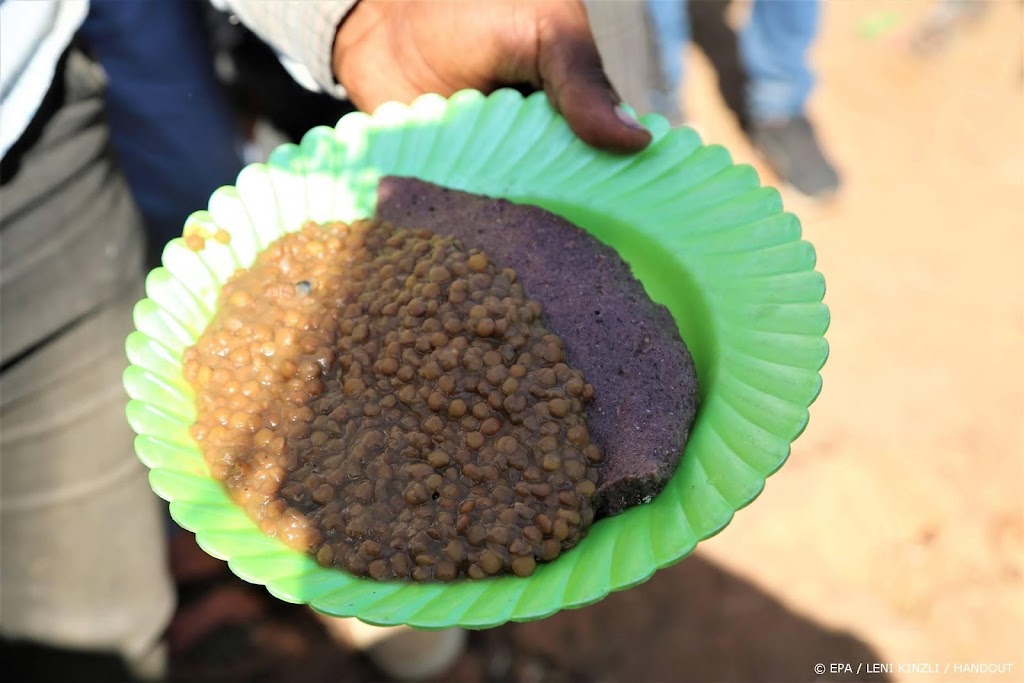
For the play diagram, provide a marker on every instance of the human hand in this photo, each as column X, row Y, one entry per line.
column 400, row 49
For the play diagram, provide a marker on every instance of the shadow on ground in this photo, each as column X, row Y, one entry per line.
column 691, row 622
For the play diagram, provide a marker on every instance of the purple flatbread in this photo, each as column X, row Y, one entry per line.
column 628, row 347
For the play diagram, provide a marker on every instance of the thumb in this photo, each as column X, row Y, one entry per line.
column 574, row 79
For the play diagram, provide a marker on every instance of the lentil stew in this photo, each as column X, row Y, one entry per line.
column 395, row 404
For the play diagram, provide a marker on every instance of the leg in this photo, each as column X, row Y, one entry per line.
column 84, row 564
column 671, row 29
column 624, row 35
column 175, row 132
column 774, row 46
column 713, row 33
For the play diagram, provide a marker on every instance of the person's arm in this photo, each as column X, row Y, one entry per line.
column 379, row 50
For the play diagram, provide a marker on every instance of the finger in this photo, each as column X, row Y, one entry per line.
column 575, row 81
column 363, row 61
column 369, row 93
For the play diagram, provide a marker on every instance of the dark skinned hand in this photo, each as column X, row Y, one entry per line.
column 400, row 49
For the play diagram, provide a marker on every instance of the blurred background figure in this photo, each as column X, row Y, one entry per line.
column 773, row 51
column 271, row 104
column 946, row 18
column 175, row 132
column 624, row 34
column 184, row 126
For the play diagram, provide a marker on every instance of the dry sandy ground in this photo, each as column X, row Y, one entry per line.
column 898, row 517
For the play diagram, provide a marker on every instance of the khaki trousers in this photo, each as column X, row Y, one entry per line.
column 82, row 537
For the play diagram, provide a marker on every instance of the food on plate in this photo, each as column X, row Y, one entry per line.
column 627, row 346
column 456, row 388
column 394, row 403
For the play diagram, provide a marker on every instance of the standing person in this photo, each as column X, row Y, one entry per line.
column 629, row 49
column 173, row 128
column 83, row 563
column 774, row 44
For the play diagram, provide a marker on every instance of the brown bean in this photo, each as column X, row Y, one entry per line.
column 415, row 493
column 551, row 462
column 499, row 534
column 457, row 408
column 446, row 571
column 474, row 440
column 524, row 565
column 455, row 550
column 558, row 407
column 490, row 426
column 490, row 562
column 550, row 549
column 438, row 459
column 476, row 535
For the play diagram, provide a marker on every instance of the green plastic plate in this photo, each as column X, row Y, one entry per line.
column 700, row 232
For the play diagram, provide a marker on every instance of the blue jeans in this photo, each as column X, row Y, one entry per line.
column 773, row 48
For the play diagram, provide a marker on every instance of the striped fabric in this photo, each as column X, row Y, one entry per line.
column 301, row 30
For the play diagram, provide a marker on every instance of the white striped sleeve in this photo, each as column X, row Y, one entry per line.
column 301, row 30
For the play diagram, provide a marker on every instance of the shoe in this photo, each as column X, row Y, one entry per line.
column 791, row 148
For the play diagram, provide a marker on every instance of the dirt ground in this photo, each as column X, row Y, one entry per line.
column 898, row 519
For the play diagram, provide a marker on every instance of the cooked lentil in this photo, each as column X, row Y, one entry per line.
column 395, row 405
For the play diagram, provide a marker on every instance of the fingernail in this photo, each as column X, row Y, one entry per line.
column 626, row 116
